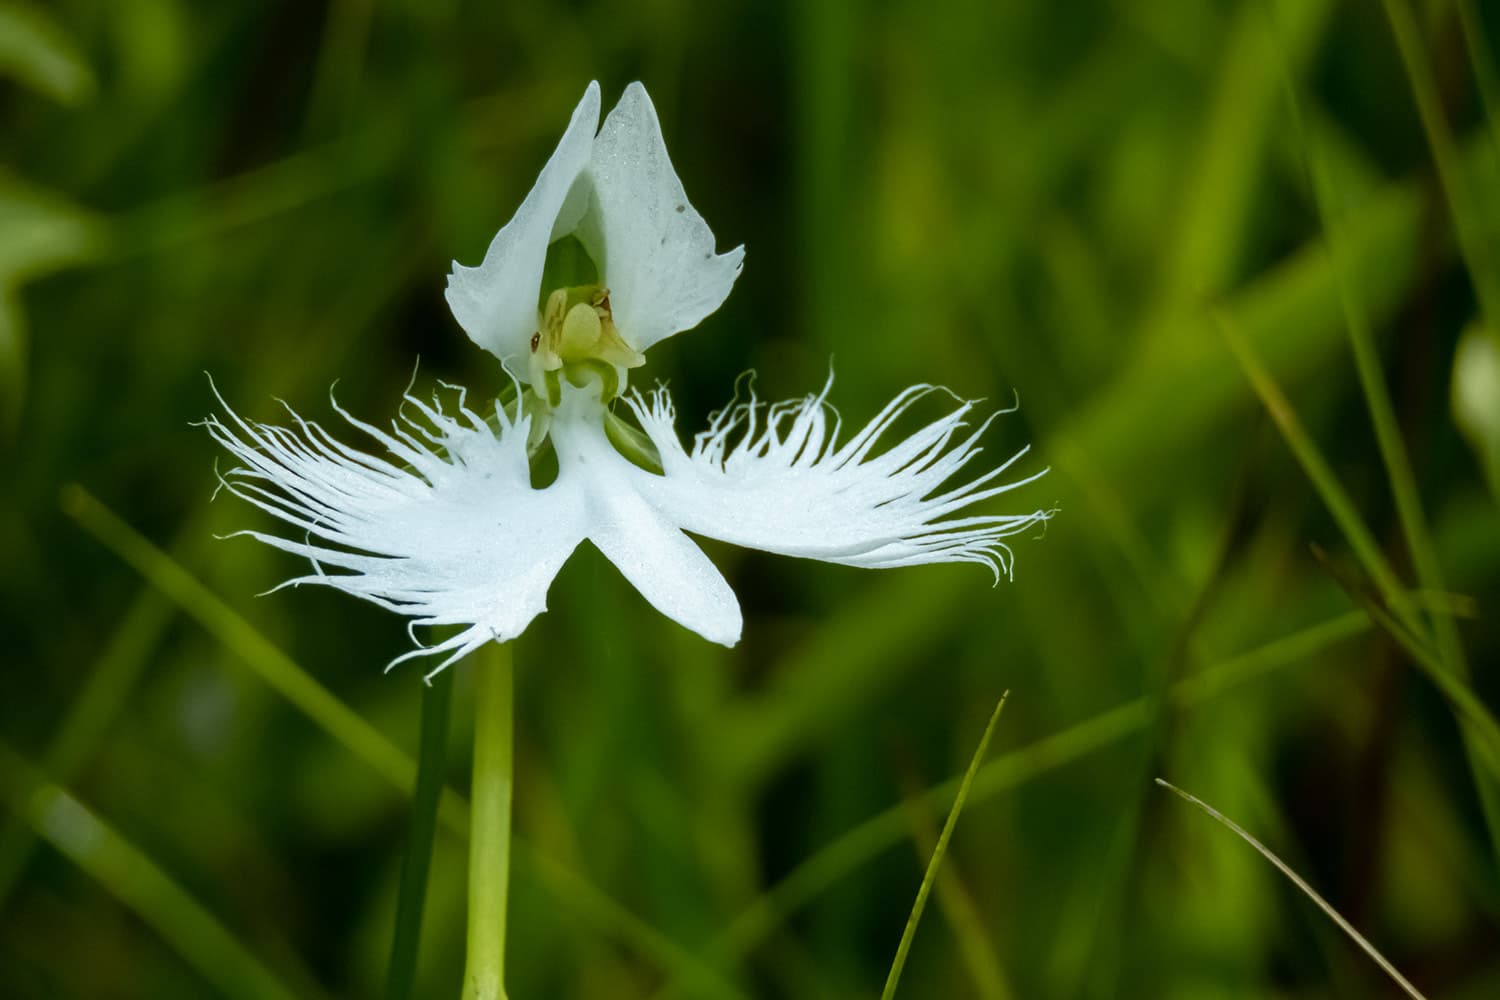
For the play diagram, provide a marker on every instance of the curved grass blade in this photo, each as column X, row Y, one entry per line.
column 89, row 716
column 1484, row 65
column 1478, row 723
column 1300, row 883
column 260, row 655
column 957, row 904
column 1361, row 540
column 865, row 842
column 36, row 50
column 132, row 877
column 928, row 877
column 1455, row 183
column 1393, row 454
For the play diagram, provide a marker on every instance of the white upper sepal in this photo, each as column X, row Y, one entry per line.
column 496, row 302
column 448, row 531
column 621, row 196
column 776, row 478
column 655, row 251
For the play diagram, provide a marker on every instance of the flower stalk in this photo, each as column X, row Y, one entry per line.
column 489, row 840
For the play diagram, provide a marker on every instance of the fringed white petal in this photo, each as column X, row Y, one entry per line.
column 655, row 252
column 496, row 302
column 777, row 478
column 447, row 530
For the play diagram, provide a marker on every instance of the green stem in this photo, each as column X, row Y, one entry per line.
column 431, row 765
column 489, row 839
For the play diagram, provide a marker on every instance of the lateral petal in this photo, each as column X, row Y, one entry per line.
column 496, row 302
column 447, row 530
column 776, row 478
column 656, row 251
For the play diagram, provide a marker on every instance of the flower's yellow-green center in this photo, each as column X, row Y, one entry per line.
column 577, row 340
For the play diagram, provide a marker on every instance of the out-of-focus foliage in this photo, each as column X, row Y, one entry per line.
column 1045, row 198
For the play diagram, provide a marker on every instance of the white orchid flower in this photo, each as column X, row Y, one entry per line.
column 447, row 528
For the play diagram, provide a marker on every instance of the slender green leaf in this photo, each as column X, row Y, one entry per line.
column 1300, row 883
column 869, row 839
column 1463, row 207
column 132, row 877
column 1403, row 481
column 898, row 964
column 364, row 741
column 36, row 50
column 437, row 701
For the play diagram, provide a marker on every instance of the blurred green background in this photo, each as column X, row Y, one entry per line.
column 1079, row 202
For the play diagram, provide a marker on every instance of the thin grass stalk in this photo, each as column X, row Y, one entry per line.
column 1478, row 723
column 378, row 753
column 1366, row 549
column 88, row 717
column 865, row 842
column 1455, row 184
column 1300, row 883
column 272, row 665
column 929, row 876
column 1393, row 454
column 137, row 882
column 437, row 700
column 1484, row 67
column 975, row 947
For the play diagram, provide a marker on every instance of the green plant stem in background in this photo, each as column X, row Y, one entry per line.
column 866, row 841
column 1447, row 674
column 368, row 744
column 273, row 666
column 489, row 839
column 1456, row 185
column 134, row 879
column 925, row 889
column 1301, row 884
column 89, row 716
column 1398, row 467
column 1484, row 66
column 437, row 700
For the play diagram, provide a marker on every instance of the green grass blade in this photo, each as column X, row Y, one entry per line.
column 1484, row 66
column 260, row 655
column 38, row 52
column 1300, row 883
column 1155, row 405
column 959, row 908
column 1218, row 195
column 1403, row 482
column 1478, row 723
column 1481, row 731
column 1367, row 364
column 132, row 877
column 865, row 842
column 925, row 889
column 1366, row 549
column 363, row 740
column 437, row 702
column 89, row 715
column 1455, row 183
